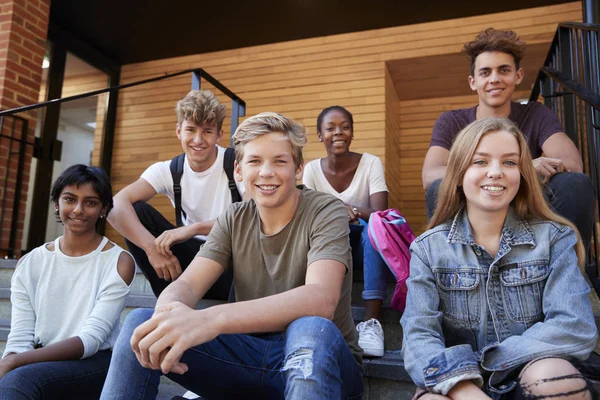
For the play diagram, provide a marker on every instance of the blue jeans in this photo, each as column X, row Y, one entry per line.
column 570, row 194
column 375, row 270
column 77, row 379
column 309, row 361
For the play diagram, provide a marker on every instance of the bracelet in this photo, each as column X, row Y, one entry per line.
column 423, row 393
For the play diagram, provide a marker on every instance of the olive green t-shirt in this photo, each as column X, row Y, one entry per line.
column 267, row 265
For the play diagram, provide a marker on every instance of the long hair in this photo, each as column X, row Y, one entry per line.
column 529, row 202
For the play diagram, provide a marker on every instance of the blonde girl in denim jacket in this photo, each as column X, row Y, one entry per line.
column 497, row 304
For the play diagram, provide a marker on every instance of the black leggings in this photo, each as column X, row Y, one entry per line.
column 185, row 252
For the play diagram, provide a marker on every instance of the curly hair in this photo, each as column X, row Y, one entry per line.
column 495, row 40
column 201, row 106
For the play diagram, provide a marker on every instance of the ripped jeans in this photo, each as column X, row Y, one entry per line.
column 309, row 361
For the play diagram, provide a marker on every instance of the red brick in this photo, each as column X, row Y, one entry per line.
column 8, row 94
column 38, row 59
column 25, row 100
column 13, row 85
column 35, row 30
column 22, row 51
column 8, row 104
column 19, row 7
column 41, row 16
column 29, row 83
column 13, row 55
column 18, row 19
column 45, row 7
column 35, row 46
column 32, row 4
column 18, row 69
column 32, row 67
column 10, row 75
column 23, row 33
column 5, row 17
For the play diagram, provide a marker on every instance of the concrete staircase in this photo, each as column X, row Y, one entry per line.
column 384, row 378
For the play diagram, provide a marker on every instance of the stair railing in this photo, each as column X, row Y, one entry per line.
column 14, row 141
column 569, row 83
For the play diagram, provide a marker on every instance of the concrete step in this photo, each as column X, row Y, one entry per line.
column 390, row 322
column 4, row 330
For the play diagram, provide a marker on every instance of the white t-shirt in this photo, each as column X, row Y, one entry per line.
column 55, row 297
column 204, row 195
column 368, row 179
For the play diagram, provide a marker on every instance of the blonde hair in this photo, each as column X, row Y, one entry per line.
column 201, row 106
column 268, row 122
column 529, row 201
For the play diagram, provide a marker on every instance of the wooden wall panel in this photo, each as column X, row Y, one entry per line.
column 299, row 78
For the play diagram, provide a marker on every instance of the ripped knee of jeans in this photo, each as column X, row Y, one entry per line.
column 302, row 360
column 559, row 386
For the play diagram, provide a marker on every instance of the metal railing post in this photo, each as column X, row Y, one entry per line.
column 565, row 53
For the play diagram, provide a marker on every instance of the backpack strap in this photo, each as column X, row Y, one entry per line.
column 176, row 168
column 228, row 163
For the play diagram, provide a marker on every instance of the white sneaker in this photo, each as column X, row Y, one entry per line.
column 191, row 395
column 370, row 337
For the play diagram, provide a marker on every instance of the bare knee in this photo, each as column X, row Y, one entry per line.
column 553, row 378
column 432, row 396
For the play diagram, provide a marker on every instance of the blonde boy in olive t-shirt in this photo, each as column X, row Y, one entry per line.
column 290, row 333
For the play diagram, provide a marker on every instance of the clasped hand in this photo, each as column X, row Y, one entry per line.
column 160, row 342
column 547, row 167
column 6, row 365
column 161, row 257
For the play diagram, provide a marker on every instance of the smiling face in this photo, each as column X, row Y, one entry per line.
column 495, row 79
column 492, row 179
column 79, row 208
column 198, row 143
column 336, row 132
column 268, row 171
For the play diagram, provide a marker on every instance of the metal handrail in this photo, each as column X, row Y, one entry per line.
column 569, row 82
column 572, row 86
column 198, row 73
column 238, row 109
column 535, row 92
column 580, row 25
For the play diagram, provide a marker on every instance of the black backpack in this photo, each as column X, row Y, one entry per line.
column 177, row 171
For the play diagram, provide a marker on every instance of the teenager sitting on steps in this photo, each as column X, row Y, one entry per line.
column 161, row 250
column 290, row 332
column 495, row 73
column 358, row 180
column 497, row 304
column 67, row 297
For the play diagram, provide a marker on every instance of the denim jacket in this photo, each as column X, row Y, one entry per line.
column 469, row 315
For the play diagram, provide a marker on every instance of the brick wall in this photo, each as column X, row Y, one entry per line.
column 23, row 30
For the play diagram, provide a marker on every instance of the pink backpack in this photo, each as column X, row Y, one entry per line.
column 391, row 236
